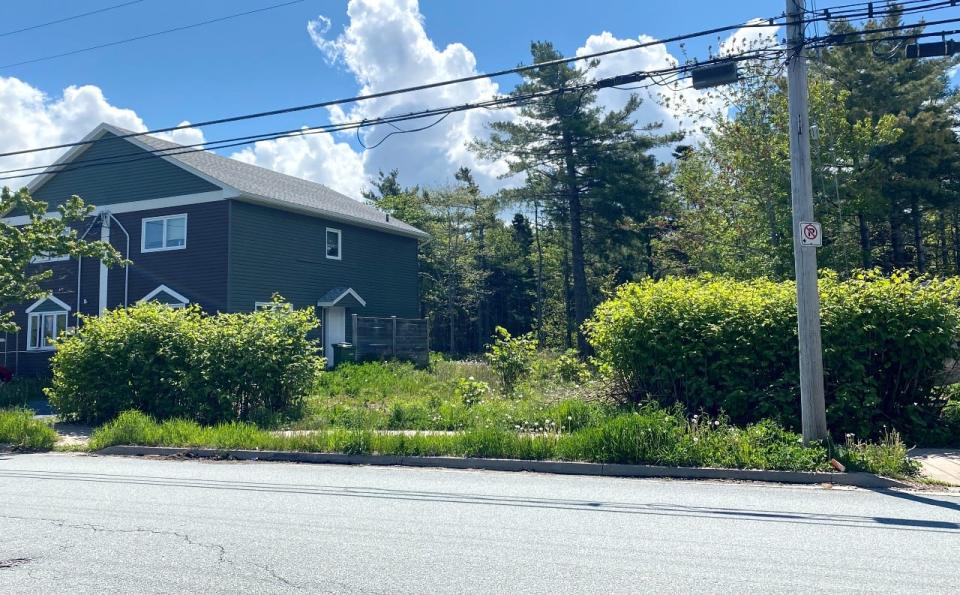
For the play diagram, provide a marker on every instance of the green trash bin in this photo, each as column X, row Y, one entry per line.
column 342, row 352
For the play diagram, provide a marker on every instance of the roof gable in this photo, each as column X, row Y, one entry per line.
column 49, row 303
column 344, row 297
column 114, row 170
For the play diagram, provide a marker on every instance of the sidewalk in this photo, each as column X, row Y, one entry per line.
column 939, row 463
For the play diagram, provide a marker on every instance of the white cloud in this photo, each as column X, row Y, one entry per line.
column 653, row 57
column 385, row 46
column 664, row 103
column 30, row 118
column 316, row 157
column 183, row 136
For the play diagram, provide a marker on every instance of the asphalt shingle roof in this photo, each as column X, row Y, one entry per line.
column 266, row 184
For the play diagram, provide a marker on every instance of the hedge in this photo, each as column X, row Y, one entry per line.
column 183, row 363
column 716, row 344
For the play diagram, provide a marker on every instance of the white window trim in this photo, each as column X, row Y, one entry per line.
column 339, row 233
column 267, row 305
column 35, row 322
column 164, row 289
column 164, row 218
column 45, row 259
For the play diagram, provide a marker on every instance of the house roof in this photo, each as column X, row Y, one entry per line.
column 265, row 186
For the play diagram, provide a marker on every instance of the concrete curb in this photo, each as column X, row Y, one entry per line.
column 861, row 480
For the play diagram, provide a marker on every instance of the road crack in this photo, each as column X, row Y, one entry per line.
column 220, row 550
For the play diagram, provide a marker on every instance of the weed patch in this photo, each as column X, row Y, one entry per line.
column 19, row 429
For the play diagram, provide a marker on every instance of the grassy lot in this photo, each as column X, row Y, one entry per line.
column 20, row 430
column 451, row 395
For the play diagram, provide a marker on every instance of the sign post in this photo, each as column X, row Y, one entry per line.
column 806, row 233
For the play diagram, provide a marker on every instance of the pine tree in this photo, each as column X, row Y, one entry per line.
column 586, row 167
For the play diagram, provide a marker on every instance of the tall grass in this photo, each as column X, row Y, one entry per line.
column 19, row 430
column 395, row 396
column 648, row 436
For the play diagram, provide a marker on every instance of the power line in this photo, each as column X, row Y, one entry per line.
column 422, row 87
column 842, row 39
column 906, row 7
column 329, row 128
column 149, row 35
column 494, row 103
column 517, row 70
column 71, row 18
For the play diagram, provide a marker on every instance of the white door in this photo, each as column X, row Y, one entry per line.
column 334, row 331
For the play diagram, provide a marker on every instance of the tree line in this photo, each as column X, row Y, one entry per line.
column 595, row 209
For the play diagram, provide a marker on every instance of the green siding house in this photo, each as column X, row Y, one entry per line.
column 208, row 230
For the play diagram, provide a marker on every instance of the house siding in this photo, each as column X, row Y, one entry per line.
column 278, row 251
column 198, row 272
column 128, row 174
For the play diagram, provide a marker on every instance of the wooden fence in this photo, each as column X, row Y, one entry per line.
column 383, row 338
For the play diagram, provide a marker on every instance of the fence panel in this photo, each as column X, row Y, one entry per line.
column 382, row 338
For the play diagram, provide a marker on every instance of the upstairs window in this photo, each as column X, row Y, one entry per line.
column 164, row 233
column 333, row 244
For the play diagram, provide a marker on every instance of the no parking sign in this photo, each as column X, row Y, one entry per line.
column 810, row 234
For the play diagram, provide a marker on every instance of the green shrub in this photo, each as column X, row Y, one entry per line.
column 511, row 357
column 716, row 344
column 19, row 429
column 569, row 368
column 182, row 363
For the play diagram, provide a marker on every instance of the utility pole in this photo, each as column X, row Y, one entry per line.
column 812, row 407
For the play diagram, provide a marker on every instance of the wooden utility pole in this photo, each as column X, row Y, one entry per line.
column 812, row 408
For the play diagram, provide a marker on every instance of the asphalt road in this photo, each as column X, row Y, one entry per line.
column 85, row 524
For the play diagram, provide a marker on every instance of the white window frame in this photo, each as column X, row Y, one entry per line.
column 339, row 233
column 45, row 259
column 267, row 305
column 165, row 219
column 35, row 323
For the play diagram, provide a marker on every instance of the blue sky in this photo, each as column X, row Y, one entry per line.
column 269, row 60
